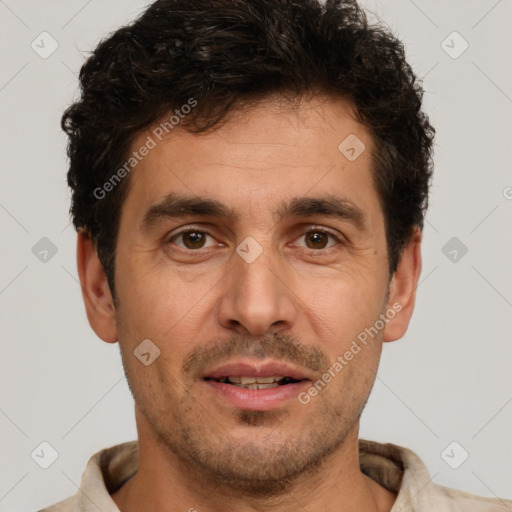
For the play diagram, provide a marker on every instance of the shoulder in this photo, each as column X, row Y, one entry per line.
column 106, row 471
column 400, row 470
column 453, row 500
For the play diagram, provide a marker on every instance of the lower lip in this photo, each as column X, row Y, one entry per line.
column 257, row 399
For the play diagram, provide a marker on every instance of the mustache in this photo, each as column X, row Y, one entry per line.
column 277, row 346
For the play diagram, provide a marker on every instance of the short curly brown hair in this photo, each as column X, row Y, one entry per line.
column 225, row 53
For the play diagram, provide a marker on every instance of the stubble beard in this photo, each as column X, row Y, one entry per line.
column 268, row 467
column 273, row 460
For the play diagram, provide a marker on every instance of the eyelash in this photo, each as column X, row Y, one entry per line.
column 188, row 229
column 316, row 229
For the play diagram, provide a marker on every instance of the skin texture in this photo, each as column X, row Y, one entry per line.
column 298, row 302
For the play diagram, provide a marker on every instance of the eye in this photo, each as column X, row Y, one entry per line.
column 193, row 239
column 318, row 239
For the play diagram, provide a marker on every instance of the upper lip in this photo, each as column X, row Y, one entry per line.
column 246, row 369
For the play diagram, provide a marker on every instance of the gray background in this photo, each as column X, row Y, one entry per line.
column 447, row 380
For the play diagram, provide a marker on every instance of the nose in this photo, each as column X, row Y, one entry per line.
column 256, row 298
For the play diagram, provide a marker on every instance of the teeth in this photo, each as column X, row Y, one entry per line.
column 265, row 380
column 257, row 386
column 254, row 380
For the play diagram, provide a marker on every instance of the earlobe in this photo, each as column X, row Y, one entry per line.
column 98, row 300
column 402, row 289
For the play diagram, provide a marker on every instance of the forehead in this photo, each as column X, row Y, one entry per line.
column 256, row 159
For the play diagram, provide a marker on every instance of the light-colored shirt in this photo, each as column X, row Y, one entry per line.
column 396, row 468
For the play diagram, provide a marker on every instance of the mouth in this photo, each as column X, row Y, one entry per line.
column 261, row 386
column 247, row 382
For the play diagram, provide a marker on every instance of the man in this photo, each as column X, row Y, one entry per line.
column 249, row 184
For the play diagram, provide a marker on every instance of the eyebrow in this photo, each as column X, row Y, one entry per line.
column 175, row 206
column 329, row 206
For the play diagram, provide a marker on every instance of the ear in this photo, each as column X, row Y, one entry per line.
column 99, row 304
column 402, row 289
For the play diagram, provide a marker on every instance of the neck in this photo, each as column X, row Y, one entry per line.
column 167, row 483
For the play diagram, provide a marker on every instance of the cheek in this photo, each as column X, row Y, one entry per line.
column 345, row 330
column 155, row 388
column 156, row 299
column 344, row 303
column 159, row 306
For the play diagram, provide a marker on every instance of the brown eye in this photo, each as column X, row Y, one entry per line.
column 193, row 239
column 194, row 243
column 316, row 239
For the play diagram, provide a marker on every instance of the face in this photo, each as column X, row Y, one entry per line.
column 254, row 257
